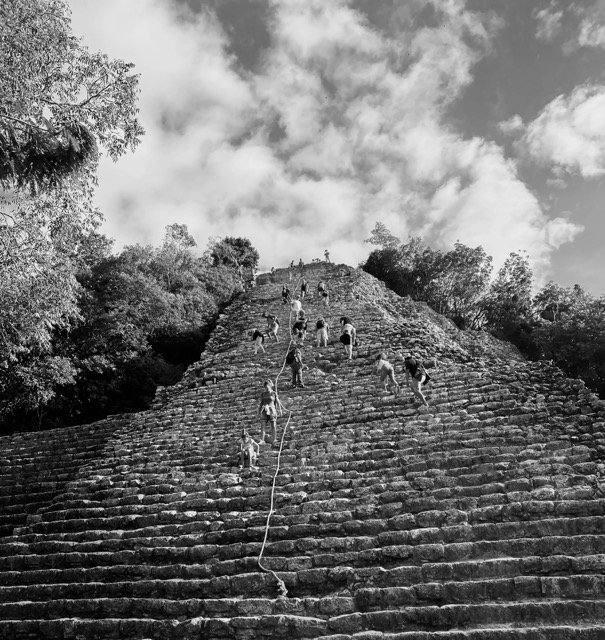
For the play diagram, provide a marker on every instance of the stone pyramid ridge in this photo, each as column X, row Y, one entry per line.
column 481, row 517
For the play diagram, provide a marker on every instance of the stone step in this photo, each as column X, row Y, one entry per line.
column 391, row 553
column 580, row 631
column 361, row 565
column 436, row 618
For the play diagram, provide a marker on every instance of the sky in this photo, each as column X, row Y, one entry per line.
column 299, row 124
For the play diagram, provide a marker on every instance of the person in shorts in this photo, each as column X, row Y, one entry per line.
column 267, row 410
column 415, row 377
column 348, row 337
column 321, row 332
column 386, row 371
column 272, row 326
column 258, row 337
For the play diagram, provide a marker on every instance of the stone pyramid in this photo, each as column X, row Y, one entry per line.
column 480, row 517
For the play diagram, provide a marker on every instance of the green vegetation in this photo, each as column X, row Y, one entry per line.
column 84, row 333
column 563, row 325
column 141, row 318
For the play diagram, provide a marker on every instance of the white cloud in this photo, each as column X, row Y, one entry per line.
column 560, row 231
column 592, row 34
column 513, row 125
column 340, row 126
column 549, row 22
column 569, row 133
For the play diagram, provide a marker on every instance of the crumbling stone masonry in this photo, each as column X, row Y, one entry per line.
column 479, row 518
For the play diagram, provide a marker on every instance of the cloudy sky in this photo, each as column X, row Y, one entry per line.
column 301, row 123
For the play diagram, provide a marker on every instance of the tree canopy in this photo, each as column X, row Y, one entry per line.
column 563, row 324
column 139, row 318
column 59, row 102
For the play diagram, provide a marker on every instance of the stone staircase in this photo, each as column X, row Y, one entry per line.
column 480, row 517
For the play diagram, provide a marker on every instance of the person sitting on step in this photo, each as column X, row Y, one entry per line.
column 321, row 287
column 386, row 371
column 267, row 410
column 258, row 337
column 321, row 332
column 248, row 451
column 272, row 326
column 294, row 360
column 415, row 377
column 348, row 336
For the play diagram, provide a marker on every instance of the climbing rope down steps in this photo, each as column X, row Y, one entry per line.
column 481, row 517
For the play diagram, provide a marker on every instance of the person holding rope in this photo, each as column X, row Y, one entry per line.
column 267, row 410
column 386, row 371
column 415, row 377
column 348, row 336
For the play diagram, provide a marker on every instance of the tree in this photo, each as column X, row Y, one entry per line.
column 382, row 237
column 460, row 279
column 59, row 105
column 552, row 301
column 508, row 304
column 58, row 101
column 234, row 252
column 572, row 333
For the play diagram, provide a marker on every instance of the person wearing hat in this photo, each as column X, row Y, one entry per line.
column 415, row 377
column 267, row 409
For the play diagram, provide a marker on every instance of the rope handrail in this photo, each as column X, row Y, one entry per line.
column 281, row 585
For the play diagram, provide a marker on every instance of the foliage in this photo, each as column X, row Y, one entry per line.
column 141, row 317
column 508, row 304
column 452, row 282
column 58, row 101
column 234, row 252
column 573, row 332
column 565, row 325
column 382, row 237
column 39, row 238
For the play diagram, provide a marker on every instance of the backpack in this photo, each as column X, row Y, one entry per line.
column 421, row 371
column 290, row 357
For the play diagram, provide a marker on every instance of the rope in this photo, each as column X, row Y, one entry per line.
column 281, row 585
